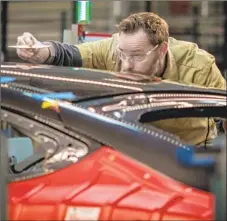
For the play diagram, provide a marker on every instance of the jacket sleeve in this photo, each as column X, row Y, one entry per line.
column 88, row 55
column 96, row 54
column 62, row 54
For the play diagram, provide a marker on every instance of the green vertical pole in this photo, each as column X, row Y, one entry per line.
column 82, row 12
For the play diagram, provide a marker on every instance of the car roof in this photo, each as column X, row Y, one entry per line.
column 87, row 83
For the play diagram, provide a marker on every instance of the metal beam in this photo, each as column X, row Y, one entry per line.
column 4, row 23
column 148, row 6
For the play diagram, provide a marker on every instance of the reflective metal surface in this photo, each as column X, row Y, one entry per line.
column 111, row 110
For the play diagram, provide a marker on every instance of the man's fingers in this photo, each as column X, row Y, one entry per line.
column 26, row 39
column 20, row 40
column 33, row 55
column 32, row 51
column 29, row 40
column 25, row 53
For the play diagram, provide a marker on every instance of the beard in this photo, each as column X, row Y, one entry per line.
column 150, row 75
column 153, row 71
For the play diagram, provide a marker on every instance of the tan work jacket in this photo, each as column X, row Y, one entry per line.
column 186, row 64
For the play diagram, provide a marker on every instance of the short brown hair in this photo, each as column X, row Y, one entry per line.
column 156, row 27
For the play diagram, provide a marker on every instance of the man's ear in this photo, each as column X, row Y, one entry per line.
column 164, row 48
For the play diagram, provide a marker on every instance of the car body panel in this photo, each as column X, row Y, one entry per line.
column 126, row 174
column 105, row 181
column 104, row 127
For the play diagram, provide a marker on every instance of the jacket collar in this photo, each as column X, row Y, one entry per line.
column 171, row 71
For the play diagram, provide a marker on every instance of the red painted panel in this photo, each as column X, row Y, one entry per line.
column 109, row 185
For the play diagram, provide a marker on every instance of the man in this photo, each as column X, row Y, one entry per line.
column 142, row 45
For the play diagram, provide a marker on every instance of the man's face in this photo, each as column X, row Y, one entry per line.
column 137, row 55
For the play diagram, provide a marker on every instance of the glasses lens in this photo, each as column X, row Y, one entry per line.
column 139, row 58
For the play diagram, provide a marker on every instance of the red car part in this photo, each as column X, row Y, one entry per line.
column 107, row 185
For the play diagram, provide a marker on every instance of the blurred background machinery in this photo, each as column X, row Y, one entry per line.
column 203, row 22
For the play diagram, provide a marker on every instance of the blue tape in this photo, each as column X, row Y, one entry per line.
column 186, row 157
column 62, row 95
column 5, row 80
